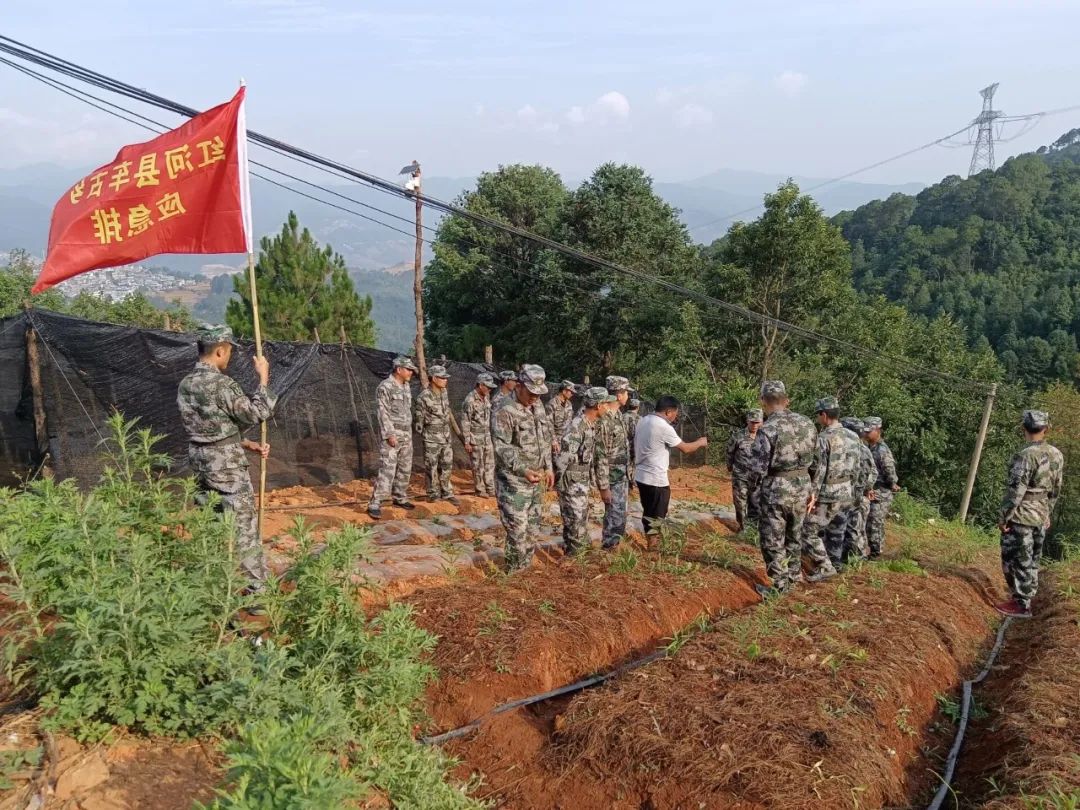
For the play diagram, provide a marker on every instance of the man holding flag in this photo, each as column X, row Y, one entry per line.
column 185, row 191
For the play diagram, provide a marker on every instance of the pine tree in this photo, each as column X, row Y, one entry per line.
column 303, row 288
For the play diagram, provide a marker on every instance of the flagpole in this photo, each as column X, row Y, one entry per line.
column 245, row 207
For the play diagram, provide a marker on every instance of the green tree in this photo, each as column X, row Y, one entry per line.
column 302, row 288
column 16, row 279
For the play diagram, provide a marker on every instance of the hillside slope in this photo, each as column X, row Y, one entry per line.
column 999, row 252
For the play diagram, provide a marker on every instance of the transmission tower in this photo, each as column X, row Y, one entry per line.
column 983, row 156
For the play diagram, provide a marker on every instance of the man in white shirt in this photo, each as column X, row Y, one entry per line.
column 653, row 441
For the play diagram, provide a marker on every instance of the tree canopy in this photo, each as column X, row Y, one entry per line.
column 304, row 289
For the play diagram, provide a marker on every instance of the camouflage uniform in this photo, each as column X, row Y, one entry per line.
column 433, row 424
column 545, row 420
column 394, row 402
column 783, row 452
column 613, row 435
column 836, row 466
column 521, row 445
column 581, row 459
column 632, row 417
column 476, row 432
column 501, row 395
column 215, row 411
column 1034, row 485
column 883, row 486
column 560, row 411
column 744, row 484
column 855, row 544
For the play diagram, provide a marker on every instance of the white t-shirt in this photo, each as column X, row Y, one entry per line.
column 652, row 450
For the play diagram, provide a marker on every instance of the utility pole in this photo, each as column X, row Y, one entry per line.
column 983, row 156
column 976, row 456
column 413, row 185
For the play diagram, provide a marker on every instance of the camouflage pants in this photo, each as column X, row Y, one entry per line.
column 520, row 510
column 875, row 522
column 744, row 493
column 233, row 485
column 783, row 510
column 615, row 512
column 1021, row 550
column 574, row 506
column 395, row 468
column 483, row 465
column 855, row 545
column 830, row 520
column 438, row 462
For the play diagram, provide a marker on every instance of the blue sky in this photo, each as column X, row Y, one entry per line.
column 682, row 88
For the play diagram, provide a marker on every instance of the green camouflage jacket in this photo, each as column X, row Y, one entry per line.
column 1034, row 485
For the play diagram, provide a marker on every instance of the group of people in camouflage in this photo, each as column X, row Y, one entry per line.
column 824, row 492
column 821, row 492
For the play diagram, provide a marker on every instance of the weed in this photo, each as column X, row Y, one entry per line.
column 696, row 627
column 547, row 607
column 903, row 565
column 949, row 706
column 903, row 721
column 876, row 581
column 912, row 513
column 141, row 586
column 624, row 561
column 753, row 651
column 495, row 619
column 16, row 763
column 843, row 591
column 720, row 552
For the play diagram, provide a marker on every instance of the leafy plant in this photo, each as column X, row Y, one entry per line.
column 140, row 588
column 624, row 561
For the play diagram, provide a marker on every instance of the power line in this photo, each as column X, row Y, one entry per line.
column 83, row 74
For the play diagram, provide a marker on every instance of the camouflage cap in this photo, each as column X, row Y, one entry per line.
column 402, row 361
column 872, row 423
column 616, row 383
column 508, row 375
column 1036, row 420
column 633, row 404
column 568, row 385
column 755, row 415
column 438, row 371
column 211, row 334
column 596, row 396
column 853, row 424
column 532, row 377
column 773, row 388
column 826, row 404
column 486, row 378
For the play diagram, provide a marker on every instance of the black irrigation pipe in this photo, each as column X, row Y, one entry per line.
column 595, row 680
column 954, row 752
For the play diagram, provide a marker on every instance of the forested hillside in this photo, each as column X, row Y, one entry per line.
column 999, row 252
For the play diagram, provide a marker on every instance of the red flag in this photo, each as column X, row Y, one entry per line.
column 186, row 191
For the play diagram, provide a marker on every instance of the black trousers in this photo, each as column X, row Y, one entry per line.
column 654, row 503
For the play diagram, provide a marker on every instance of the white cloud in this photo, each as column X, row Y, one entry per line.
column 527, row 114
column 791, row 82
column 614, row 103
column 693, row 115
column 576, row 115
column 664, row 96
column 478, row 109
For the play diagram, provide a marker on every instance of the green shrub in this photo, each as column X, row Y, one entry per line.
column 123, row 608
column 912, row 512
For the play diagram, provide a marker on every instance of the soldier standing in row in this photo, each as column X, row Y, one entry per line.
column 613, row 435
column 508, row 382
column 885, row 486
column 522, row 466
column 433, row 417
column 1032, row 490
column 476, row 433
column 744, row 484
column 215, row 413
column 855, row 545
column 580, row 461
column 784, row 449
column 632, row 417
column 835, row 468
column 394, row 402
column 560, row 411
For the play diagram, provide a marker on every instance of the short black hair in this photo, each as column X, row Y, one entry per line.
column 207, row 348
column 832, row 413
column 667, row 403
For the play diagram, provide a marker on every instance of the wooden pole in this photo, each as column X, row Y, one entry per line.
column 489, row 355
column 418, row 274
column 258, row 353
column 41, row 433
column 976, row 456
